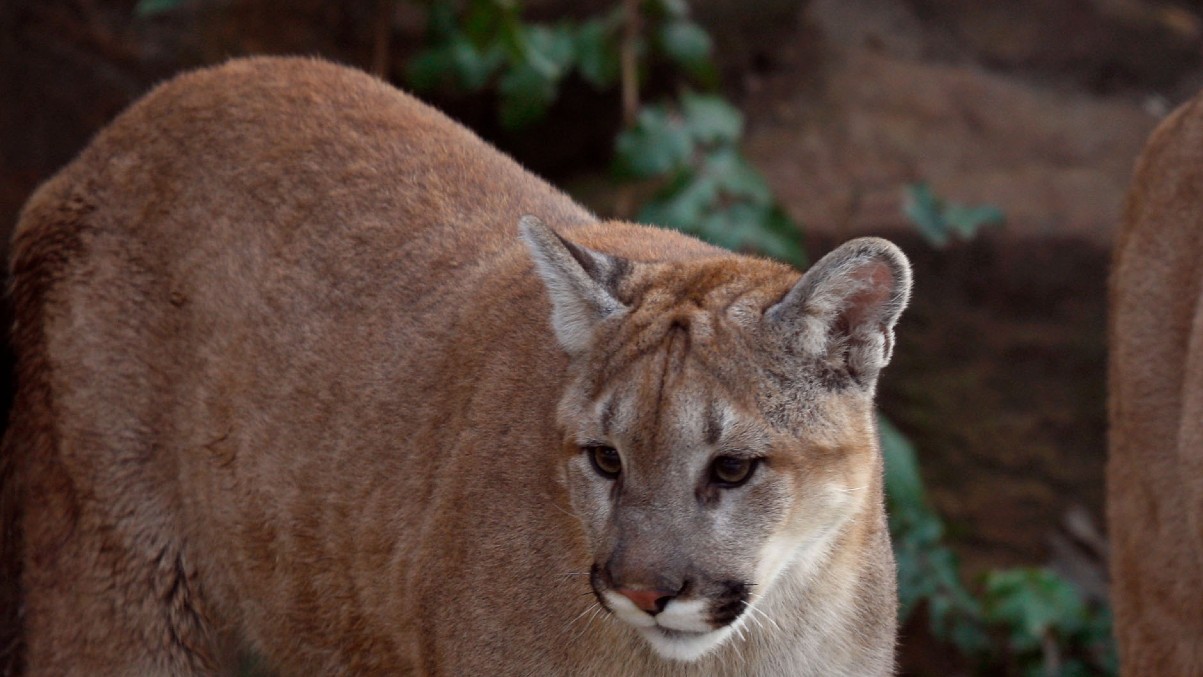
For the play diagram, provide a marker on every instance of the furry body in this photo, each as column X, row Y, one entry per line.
column 1155, row 469
column 291, row 383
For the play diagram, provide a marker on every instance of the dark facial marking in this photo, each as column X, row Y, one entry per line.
column 714, row 427
column 597, row 581
column 607, row 416
column 729, row 603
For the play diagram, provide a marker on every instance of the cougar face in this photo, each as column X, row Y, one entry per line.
column 696, row 491
column 716, row 423
column 692, row 502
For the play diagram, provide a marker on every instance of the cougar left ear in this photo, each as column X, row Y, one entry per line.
column 844, row 308
column 580, row 281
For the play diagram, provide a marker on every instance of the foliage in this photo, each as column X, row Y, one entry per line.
column 708, row 187
column 487, row 46
column 938, row 221
column 690, row 146
column 928, row 571
column 1046, row 628
column 1049, row 628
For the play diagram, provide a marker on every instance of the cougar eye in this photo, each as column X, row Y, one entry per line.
column 730, row 471
column 605, row 460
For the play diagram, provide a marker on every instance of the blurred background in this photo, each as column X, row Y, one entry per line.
column 993, row 140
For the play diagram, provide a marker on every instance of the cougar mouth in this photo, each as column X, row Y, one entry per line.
column 684, row 645
column 683, row 627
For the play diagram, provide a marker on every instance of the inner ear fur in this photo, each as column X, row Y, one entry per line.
column 582, row 283
column 844, row 308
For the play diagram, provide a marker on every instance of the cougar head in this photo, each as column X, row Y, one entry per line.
column 717, row 423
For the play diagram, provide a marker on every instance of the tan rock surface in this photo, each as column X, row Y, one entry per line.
column 837, row 141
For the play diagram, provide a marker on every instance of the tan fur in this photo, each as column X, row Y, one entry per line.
column 289, row 385
column 1155, row 471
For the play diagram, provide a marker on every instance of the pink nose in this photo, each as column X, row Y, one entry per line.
column 651, row 601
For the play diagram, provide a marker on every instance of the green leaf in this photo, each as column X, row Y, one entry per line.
column 152, row 7
column 785, row 238
column 657, row 145
column 473, row 67
column 710, row 119
column 689, row 46
column 966, row 221
column 938, row 221
column 526, row 94
column 597, row 53
column 765, row 229
column 683, row 204
column 512, row 37
column 926, row 211
column 1032, row 603
column 548, row 50
column 720, row 228
column 738, row 179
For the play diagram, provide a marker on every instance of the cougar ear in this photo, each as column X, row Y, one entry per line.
column 580, row 281
column 844, row 308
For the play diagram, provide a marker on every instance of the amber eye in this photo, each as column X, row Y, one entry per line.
column 730, row 471
column 606, row 460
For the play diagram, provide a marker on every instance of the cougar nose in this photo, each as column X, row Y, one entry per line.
column 651, row 601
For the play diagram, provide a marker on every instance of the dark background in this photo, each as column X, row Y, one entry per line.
column 1037, row 106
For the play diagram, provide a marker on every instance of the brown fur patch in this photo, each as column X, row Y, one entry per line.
column 1155, row 468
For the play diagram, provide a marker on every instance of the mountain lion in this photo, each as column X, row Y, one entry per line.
column 310, row 372
column 1155, row 470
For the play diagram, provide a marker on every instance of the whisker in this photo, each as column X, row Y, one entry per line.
column 579, row 616
column 571, row 514
column 751, row 618
column 763, row 615
column 592, row 617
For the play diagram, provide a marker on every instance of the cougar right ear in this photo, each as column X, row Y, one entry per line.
column 844, row 308
column 580, row 281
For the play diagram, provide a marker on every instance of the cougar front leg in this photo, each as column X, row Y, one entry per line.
column 103, row 597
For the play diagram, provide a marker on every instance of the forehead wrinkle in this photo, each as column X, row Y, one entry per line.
column 670, row 332
column 675, row 348
column 629, row 344
column 668, row 354
column 640, row 403
column 662, row 297
column 710, row 410
column 713, row 430
column 607, row 414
